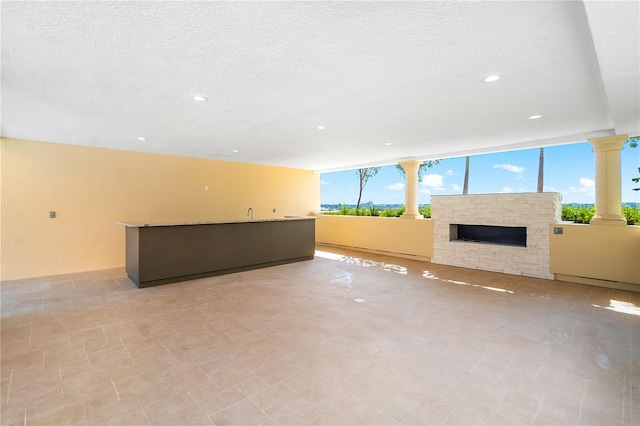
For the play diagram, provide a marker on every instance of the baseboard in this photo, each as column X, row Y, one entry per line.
column 380, row 252
column 617, row 285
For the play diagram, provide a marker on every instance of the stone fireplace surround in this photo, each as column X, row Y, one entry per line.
column 535, row 211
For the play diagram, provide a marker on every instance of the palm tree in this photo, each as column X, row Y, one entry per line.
column 465, row 189
column 541, row 171
column 423, row 168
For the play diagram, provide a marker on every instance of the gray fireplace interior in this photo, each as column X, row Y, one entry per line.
column 487, row 234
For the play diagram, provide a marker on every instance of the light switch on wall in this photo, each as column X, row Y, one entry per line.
column 274, row 209
column 52, row 215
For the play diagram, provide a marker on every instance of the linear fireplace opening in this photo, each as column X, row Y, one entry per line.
column 487, row 234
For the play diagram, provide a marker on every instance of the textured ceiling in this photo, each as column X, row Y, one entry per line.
column 406, row 73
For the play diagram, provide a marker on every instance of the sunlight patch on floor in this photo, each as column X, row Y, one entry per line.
column 622, row 307
column 432, row 276
column 390, row 267
column 328, row 255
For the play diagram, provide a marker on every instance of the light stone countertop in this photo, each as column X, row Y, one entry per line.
column 146, row 225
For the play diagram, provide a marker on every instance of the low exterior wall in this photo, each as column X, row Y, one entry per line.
column 599, row 252
column 411, row 238
column 535, row 211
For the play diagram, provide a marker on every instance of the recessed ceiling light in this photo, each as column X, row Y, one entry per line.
column 321, row 127
column 299, row 159
column 535, row 117
column 199, row 98
column 235, row 150
column 142, row 139
column 388, row 144
column 492, row 78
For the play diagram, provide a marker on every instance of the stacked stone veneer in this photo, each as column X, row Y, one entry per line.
column 536, row 211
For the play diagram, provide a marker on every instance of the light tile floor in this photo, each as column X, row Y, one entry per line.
column 347, row 338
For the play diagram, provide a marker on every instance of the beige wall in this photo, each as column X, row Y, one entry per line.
column 610, row 254
column 408, row 237
column 1, row 203
column 91, row 189
column 600, row 252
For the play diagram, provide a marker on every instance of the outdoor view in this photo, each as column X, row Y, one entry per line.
column 568, row 169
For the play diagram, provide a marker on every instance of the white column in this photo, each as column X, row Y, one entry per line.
column 411, row 189
column 608, row 186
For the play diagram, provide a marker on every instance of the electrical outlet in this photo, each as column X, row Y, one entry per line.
column 52, row 215
column 274, row 209
column 557, row 230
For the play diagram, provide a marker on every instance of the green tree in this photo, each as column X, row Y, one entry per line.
column 363, row 177
column 636, row 180
column 423, row 168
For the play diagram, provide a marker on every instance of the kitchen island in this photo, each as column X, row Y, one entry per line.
column 171, row 252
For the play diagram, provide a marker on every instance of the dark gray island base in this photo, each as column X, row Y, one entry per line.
column 162, row 254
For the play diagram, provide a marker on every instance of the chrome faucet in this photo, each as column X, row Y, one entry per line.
column 250, row 213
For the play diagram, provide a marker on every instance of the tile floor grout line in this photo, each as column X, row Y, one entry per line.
column 626, row 411
column 114, row 388
column 145, row 413
column 584, row 395
column 127, row 351
column 86, row 353
column 43, row 358
column 544, row 398
column 196, row 403
column 504, row 372
column 61, row 382
column 9, row 390
column 290, row 334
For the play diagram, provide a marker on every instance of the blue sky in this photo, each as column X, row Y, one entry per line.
column 569, row 169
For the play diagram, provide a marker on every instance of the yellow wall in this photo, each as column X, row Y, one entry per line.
column 609, row 253
column 413, row 237
column 1, row 203
column 601, row 252
column 91, row 189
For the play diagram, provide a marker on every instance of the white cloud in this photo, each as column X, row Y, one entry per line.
column 424, row 191
column 506, row 189
column 587, row 186
column 324, row 182
column 585, row 193
column 433, row 182
column 510, row 168
column 456, row 188
column 519, row 177
column 396, row 186
column 587, row 183
column 451, row 173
